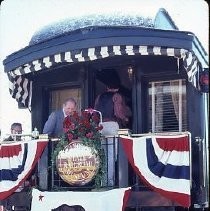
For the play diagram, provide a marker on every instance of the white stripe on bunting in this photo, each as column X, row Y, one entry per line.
column 22, row 157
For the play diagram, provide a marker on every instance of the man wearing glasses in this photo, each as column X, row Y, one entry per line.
column 16, row 128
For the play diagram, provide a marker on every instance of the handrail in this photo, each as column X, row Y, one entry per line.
column 162, row 133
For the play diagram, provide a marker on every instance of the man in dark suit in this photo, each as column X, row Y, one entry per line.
column 54, row 125
column 54, row 128
column 16, row 128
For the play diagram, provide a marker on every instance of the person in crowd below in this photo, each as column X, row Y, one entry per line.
column 115, row 115
column 16, row 128
column 54, row 125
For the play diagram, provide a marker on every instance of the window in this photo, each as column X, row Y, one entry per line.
column 167, row 106
column 60, row 95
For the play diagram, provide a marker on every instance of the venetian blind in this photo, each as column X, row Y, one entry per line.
column 167, row 106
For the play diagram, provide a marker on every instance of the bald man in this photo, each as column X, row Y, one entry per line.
column 54, row 125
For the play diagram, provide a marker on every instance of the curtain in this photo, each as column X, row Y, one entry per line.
column 178, row 95
column 60, row 95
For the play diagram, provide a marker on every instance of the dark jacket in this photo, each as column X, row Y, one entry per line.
column 105, row 105
column 113, row 108
column 54, row 125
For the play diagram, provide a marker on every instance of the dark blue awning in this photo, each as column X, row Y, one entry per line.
column 91, row 44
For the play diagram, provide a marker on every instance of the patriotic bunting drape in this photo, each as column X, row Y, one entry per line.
column 163, row 163
column 21, row 88
column 17, row 160
column 114, row 200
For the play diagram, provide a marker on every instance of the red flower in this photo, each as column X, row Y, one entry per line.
column 65, row 130
column 81, row 130
column 96, row 118
column 75, row 115
column 100, row 127
column 72, row 126
column 89, row 135
column 85, row 126
column 66, row 122
column 70, row 137
column 86, row 123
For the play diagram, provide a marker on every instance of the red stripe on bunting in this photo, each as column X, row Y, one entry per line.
column 182, row 199
column 125, row 199
column 40, row 148
column 10, row 151
column 176, row 143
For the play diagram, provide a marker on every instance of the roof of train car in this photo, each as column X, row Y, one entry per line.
column 92, row 31
column 64, row 26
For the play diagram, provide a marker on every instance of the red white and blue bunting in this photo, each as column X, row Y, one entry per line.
column 21, row 87
column 114, row 200
column 17, row 161
column 163, row 163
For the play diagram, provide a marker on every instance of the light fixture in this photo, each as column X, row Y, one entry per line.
column 130, row 73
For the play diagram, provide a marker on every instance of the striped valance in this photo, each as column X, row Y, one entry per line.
column 21, row 87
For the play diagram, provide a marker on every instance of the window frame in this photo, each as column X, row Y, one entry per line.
column 182, row 125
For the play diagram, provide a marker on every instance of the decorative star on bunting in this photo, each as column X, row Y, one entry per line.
column 40, row 197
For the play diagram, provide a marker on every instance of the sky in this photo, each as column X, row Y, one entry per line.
column 20, row 19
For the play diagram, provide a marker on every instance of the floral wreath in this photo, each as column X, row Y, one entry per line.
column 85, row 127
